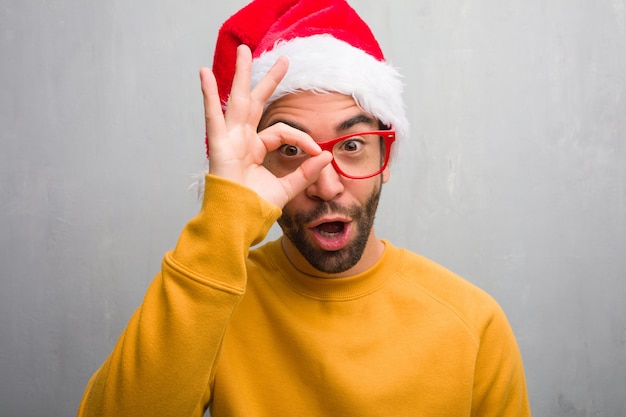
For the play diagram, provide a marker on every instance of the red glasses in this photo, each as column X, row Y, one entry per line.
column 356, row 156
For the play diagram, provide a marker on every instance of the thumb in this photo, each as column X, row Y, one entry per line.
column 306, row 174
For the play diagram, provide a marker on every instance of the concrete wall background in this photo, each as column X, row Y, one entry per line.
column 515, row 176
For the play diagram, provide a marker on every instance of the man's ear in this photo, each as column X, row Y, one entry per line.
column 386, row 174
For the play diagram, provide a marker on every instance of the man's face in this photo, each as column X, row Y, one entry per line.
column 329, row 225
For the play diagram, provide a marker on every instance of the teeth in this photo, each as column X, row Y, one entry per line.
column 327, row 234
column 331, row 229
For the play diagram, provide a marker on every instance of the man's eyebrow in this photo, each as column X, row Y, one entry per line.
column 288, row 123
column 360, row 118
column 343, row 126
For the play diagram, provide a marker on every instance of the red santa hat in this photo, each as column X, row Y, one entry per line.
column 330, row 49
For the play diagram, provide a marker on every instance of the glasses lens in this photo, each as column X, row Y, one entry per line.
column 360, row 155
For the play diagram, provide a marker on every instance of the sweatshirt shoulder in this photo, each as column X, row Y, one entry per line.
column 452, row 292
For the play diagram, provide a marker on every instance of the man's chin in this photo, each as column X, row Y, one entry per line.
column 331, row 262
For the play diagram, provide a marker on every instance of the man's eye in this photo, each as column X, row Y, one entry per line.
column 290, row 150
column 351, row 145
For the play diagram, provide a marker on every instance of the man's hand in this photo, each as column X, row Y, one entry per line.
column 238, row 151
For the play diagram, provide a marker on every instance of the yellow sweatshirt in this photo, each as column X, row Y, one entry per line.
column 247, row 334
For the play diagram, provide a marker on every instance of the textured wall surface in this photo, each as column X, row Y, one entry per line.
column 514, row 176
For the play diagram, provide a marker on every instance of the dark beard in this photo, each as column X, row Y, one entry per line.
column 332, row 262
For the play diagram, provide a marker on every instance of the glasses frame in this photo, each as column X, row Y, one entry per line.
column 389, row 136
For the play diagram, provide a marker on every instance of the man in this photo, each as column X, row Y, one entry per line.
column 328, row 320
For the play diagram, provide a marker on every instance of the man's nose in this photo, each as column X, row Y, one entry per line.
column 328, row 186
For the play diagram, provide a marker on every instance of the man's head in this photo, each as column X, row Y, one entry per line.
column 330, row 49
column 338, row 84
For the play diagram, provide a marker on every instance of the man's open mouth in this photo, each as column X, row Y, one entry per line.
column 331, row 229
column 331, row 235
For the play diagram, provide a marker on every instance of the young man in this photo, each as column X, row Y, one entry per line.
column 328, row 320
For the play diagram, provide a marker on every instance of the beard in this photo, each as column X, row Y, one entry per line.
column 332, row 262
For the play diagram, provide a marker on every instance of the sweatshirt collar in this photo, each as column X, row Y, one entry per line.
column 322, row 286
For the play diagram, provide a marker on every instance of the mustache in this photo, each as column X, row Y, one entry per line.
column 321, row 209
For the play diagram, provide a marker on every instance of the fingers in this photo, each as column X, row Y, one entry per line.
column 309, row 170
column 265, row 88
column 306, row 174
column 214, row 118
column 244, row 106
column 239, row 100
column 280, row 134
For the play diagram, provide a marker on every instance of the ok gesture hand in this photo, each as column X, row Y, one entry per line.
column 238, row 150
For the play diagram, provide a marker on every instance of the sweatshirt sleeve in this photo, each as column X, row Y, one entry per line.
column 165, row 359
column 499, row 384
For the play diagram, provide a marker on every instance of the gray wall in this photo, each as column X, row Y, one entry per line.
column 514, row 176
